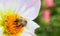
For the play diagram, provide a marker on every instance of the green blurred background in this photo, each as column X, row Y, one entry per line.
column 49, row 23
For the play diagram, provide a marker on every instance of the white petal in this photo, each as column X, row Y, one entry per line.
column 1, row 31
column 30, row 29
column 1, row 7
column 13, row 4
column 27, row 33
column 31, row 9
column 27, row 8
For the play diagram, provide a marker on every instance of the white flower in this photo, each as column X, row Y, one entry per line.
column 28, row 9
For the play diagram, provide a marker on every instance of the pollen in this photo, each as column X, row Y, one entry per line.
column 13, row 25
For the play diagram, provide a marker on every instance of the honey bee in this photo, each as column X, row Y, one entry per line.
column 20, row 22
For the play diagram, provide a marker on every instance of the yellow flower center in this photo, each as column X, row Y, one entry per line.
column 11, row 25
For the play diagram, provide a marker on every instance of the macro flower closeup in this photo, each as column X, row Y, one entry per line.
column 16, row 17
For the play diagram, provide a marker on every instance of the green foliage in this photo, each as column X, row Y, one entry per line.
column 53, row 27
